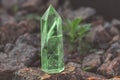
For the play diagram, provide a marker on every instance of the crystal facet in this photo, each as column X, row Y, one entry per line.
column 51, row 42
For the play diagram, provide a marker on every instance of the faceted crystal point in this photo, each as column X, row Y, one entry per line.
column 51, row 42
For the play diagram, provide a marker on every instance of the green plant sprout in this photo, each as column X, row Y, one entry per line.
column 51, row 42
column 74, row 34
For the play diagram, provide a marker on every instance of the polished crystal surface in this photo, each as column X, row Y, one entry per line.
column 51, row 42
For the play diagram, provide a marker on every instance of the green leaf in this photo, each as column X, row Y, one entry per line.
column 75, row 23
column 83, row 29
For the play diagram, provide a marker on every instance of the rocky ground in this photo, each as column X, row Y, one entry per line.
column 20, row 43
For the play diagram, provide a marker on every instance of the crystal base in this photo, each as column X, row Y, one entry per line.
column 52, row 71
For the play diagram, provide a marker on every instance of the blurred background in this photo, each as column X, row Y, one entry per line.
column 108, row 8
column 91, row 34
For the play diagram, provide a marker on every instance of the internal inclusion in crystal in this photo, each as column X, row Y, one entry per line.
column 51, row 42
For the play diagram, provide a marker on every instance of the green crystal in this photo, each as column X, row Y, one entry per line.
column 51, row 42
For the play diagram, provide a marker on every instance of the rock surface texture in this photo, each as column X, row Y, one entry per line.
column 72, row 72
